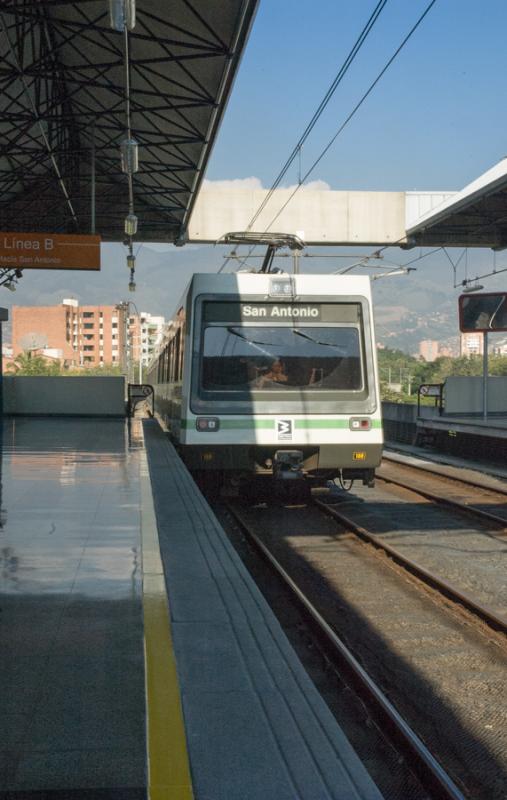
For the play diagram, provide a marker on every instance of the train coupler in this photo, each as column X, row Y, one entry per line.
column 288, row 465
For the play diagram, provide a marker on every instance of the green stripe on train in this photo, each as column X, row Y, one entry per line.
column 330, row 423
column 234, row 424
column 267, row 424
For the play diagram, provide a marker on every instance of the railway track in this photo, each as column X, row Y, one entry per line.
column 464, row 611
column 396, row 473
column 489, row 616
column 431, row 774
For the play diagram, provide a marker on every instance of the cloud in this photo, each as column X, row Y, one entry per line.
column 235, row 183
column 318, row 185
column 256, row 183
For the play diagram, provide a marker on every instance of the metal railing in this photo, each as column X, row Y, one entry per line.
column 435, row 390
column 140, row 393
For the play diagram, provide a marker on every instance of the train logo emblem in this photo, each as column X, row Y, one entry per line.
column 284, row 429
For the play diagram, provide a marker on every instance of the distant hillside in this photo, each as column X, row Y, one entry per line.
column 424, row 304
column 421, row 305
column 409, row 309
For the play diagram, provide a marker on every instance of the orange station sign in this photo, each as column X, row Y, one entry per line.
column 49, row 251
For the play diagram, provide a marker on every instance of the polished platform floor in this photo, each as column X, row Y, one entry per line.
column 72, row 708
column 138, row 659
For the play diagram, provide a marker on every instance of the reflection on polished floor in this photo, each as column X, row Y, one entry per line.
column 71, row 661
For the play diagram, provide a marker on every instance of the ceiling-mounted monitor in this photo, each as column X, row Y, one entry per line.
column 483, row 312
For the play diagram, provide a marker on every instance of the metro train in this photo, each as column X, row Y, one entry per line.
column 272, row 376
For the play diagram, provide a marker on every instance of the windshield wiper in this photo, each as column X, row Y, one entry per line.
column 316, row 341
column 259, row 345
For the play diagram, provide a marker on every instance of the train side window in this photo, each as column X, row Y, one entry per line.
column 166, row 363
column 170, row 362
column 177, row 355
column 182, row 348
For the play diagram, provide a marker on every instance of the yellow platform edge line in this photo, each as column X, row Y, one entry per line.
column 167, row 756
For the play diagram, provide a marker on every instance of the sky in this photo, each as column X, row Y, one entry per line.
column 436, row 121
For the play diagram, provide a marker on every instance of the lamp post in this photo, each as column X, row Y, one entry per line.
column 125, row 306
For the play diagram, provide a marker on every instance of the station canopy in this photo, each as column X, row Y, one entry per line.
column 474, row 217
column 63, row 111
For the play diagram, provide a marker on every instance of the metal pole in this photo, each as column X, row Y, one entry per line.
column 485, row 376
column 140, row 351
column 92, row 188
column 131, row 348
column 125, row 339
column 1, row 373
column 295, row 254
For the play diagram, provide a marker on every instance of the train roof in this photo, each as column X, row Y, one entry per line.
column 263, row 283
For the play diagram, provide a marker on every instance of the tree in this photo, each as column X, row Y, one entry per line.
column 105, row 369
column 27, row 363
column 402, row 368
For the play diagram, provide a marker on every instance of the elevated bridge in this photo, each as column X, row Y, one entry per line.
column 66, row 76
column 476, row 216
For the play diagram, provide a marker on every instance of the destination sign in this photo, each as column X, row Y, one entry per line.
column 282, row 312
column 49, row 251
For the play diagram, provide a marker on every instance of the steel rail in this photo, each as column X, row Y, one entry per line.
column 486, row 614
column 455, row 504
column 466, row 481
column 431, row 774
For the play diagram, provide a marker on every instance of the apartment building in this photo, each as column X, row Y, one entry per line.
column 429, row 349
column 145, row 334
column 472, row 344
column 87, row 336
column 80, row 336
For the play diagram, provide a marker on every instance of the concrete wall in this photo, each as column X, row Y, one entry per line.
column 463, row 395
column 318, row 217
column 399, row 422
column 77, row 396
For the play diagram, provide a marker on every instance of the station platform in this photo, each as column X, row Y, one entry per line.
column 138, row 658
column 473, row 425
column 470, row 436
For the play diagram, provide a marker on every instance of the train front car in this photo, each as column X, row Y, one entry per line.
column 280, row 379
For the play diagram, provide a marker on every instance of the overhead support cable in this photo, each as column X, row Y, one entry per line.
column 356, row 108
column 296, row 152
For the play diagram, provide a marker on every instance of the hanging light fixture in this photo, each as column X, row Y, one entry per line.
column 470, row 287
column 122, row 13
column 131, row 224
column 123, row 19
column 129, row 155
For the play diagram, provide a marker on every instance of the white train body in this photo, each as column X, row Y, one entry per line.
column 258, row 365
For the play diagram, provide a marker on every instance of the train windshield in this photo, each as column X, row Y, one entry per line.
column 250, row 358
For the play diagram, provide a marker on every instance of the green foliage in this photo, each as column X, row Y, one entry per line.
column 107, row 369
column 28, row 363
column 398, row 367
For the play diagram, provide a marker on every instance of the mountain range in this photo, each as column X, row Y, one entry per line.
column 408, row 308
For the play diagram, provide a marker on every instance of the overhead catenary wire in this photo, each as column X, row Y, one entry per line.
column 355, row 109
column 320, row 109
column 346, row 122
column 317, row 114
